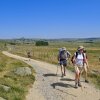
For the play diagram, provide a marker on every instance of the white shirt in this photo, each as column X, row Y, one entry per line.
column 79, row 59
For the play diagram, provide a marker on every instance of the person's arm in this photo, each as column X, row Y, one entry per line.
column 86, row 60
column 73, row 59
column 69, row 54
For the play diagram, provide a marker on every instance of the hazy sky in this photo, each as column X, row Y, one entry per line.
column 49, row 18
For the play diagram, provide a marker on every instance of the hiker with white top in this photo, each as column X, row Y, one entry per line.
column 78, row 62
column 62, row 58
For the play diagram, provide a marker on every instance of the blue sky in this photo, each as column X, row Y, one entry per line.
column 49, row 18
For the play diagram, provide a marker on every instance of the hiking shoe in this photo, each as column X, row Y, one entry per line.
column 62, row 75
column 86, row 81
column 79, row 84
column 76, row 85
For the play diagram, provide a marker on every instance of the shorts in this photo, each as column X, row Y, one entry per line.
column 78, row 68
column 63, row 62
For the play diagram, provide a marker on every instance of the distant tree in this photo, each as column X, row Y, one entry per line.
column 41, row 43
column 5, row 44
column 12, row 43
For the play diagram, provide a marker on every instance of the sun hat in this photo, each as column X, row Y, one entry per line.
column 64, row 48
column 80, row 47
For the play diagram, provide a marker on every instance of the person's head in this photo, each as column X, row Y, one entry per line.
column 80, row 49
column 63, row 48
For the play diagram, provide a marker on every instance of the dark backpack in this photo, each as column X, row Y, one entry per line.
column 76, row 57
column 63, row 55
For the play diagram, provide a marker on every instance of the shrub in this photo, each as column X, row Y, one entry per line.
column 41, row 43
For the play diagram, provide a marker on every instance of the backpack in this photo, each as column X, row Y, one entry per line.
column 77, row 55
column 72, row 59
column 63, row 55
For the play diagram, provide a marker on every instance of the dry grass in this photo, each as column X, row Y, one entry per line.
column 49, row 53
column 19, row 85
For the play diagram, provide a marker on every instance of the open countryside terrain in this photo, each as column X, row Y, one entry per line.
column 49, row 86
column 13, row 86
column 49, row 54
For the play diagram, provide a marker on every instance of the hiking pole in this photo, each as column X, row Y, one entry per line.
column 57, row 68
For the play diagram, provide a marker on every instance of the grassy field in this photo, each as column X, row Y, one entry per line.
column 49, row 54
column 18, row 85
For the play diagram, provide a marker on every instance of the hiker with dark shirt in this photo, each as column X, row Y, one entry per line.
column 62, row 58
column 99, row 59
column 29, row 55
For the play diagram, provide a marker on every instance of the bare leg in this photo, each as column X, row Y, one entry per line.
column 79, row 83
column 76, row 76
column 85, row 69
column 85, row 73
column 62, row 69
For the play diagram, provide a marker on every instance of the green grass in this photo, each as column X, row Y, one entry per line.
column 95, row 78
column 19, row 85
column 49, row 53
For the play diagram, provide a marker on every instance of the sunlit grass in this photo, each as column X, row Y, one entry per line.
column 18, row 85
column 49, row 53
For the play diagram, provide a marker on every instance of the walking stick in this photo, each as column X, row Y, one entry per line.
column 57, row 68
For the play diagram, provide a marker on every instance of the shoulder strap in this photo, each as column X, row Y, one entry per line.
column 83, row 55
column 77, row 54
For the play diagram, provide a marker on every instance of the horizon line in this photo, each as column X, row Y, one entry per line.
column 50, row 38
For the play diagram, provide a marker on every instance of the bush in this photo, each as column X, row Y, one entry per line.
column 12, row 43
column 41, row 43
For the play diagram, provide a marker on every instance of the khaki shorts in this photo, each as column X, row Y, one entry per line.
column 78, row 69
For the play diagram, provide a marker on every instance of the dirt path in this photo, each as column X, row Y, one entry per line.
column 50, row 87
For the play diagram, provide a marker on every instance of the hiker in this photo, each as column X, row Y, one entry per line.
column 29, row 55
column 62, row 58
column 78, row 62
column 86, row 66
column 99, row 59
